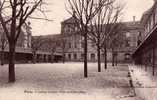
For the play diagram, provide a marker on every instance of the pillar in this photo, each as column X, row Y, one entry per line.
column 153, row 69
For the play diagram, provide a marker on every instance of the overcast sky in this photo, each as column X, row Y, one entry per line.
column 58, row 14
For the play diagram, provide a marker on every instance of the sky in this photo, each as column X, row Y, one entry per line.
column 57, row 13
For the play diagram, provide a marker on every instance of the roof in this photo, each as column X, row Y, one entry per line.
column 50, row 36
column 147, row 13
column 132, row 25
column 70, row 20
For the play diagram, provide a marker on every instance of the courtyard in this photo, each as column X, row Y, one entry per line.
column 65, row 81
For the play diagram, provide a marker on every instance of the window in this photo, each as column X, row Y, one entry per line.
column 65, row 29
column 149, row 25
column 70, row 30
column 138, row 42
column 140, row 34
column 127, row 44
column 92, row 45
column 75, row 45
column 75, row 56
column 69, row 56
column 151, row 21
column 127, row 56
column 102, row 56
column 127, row 34
column 70, row 45
column 154, row 19
column 82, row 56
column 92, row 56
column 156, row 16
column 76, row 29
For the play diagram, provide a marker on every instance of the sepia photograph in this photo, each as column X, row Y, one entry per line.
column 78, row 49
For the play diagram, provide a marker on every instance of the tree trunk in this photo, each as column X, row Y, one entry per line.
column 113, row 58
column 105, row 57
column 11, row 62
column 63, row 59
column 85, row 56
column 99, row 59
column 146, row 65
column 2, row 56
column 34, row 57
column 116, row 59
column 52, row 58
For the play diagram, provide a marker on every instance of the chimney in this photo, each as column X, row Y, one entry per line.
column 74, row 14
column 134, row 19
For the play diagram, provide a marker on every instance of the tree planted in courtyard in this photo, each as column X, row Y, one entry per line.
column 63, row 44
column 51, row 45
column 13, row 15
column 85, row 11
column 116, row 41
column 36, row 44
column 102, row 27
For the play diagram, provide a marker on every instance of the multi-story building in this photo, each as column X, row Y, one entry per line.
column 145, row 53
column 74, row 43
column 70, row 43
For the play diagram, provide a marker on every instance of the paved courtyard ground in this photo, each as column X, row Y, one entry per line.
column 66, row 82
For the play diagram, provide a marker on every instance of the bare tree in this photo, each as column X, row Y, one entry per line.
column 14, row 13
column 116, row 42
column 63, row 43
column 84, row 11
column 52, row 43
column 36, row 44
column 102, row 27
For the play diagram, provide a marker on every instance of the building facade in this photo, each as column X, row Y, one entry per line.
column 146, row 52
column 23, row 46
column 74, row 43
column 24, row 40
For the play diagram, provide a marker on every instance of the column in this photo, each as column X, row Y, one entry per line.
column 153, row 69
